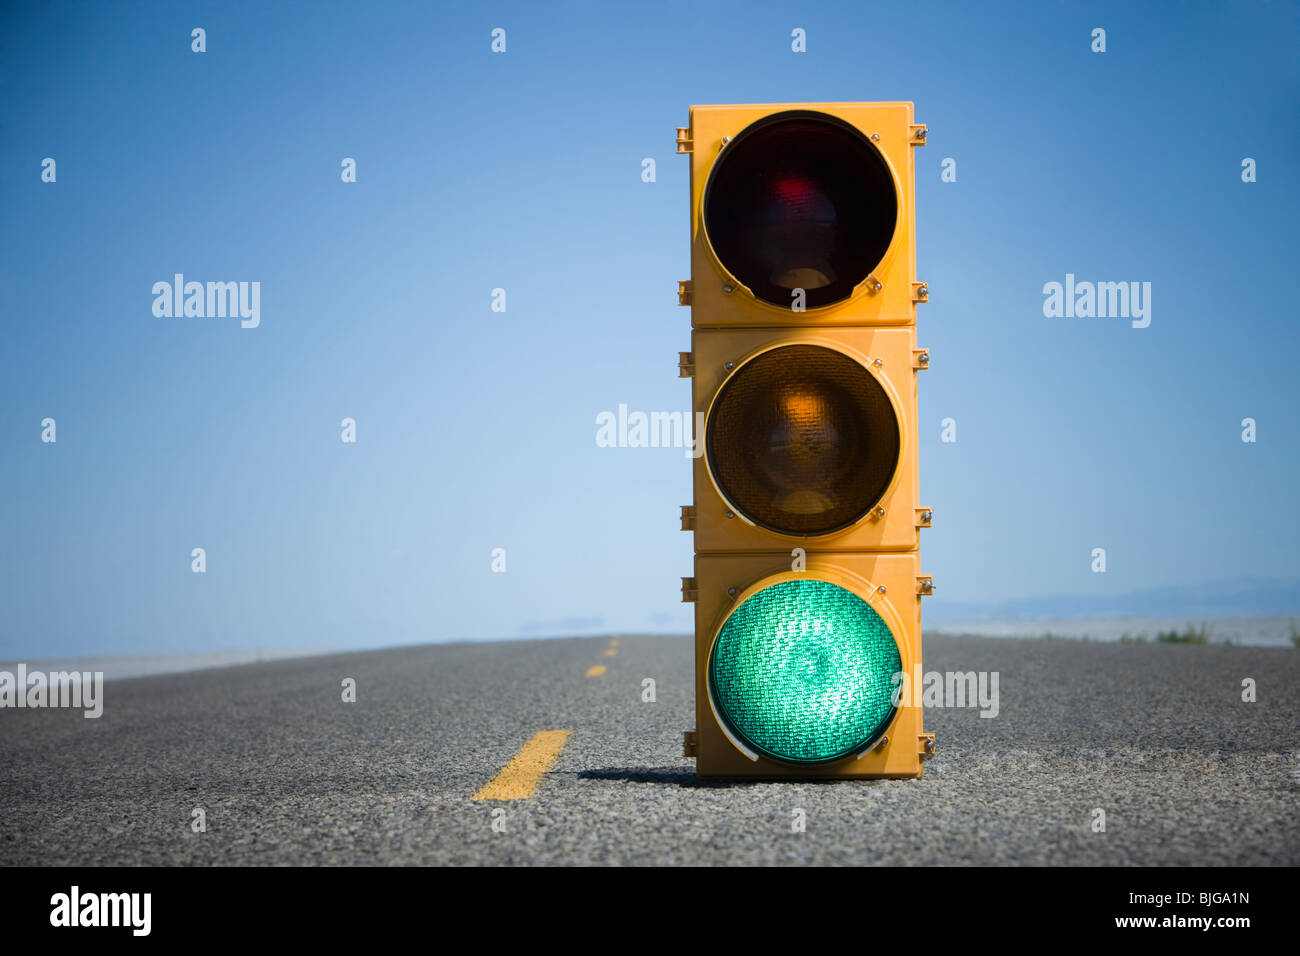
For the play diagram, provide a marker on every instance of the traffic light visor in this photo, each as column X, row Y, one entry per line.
column 803, row 671
column 802, row 440
column 800, row 200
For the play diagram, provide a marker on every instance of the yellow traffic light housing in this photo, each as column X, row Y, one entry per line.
column 884, row 739
column 806, row 511
column 770, row 186
column 837, row 407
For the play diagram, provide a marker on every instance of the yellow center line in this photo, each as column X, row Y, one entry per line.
column 613, row 642
column 595, row 670
column 519, row 778
column 611, row 652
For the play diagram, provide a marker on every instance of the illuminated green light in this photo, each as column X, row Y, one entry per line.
column 803, row 671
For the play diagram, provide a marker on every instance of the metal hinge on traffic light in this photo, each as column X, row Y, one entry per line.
column 923, row 517
column 685, row 292
column 688, row 517
column 690, row 743
column 684, row 142
column 689, row 591
column 925, row 743
column 685, row 364
column 924, row 584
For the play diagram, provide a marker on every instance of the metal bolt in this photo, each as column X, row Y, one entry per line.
column 875, row 137
column 731, row 514
column 883, row 741
column 880, row 512
column 877, row 363
column 728, row 289
column 920, row 133
column 927, row 516
column 877, row 286
column 726, row 140
column 731, row 591
column 728, row 365
column 881, row 589
column 922, row 290
column 924, row 358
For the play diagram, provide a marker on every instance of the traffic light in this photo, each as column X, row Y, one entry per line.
column 806, row 514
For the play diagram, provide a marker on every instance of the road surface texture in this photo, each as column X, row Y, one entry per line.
column 1157, row 736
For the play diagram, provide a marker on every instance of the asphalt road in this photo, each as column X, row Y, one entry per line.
column 286, row 772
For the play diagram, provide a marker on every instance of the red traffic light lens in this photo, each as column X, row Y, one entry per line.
column 802, row 440
column 800, row 201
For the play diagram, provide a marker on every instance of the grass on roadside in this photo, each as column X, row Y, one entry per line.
column 1191, row 635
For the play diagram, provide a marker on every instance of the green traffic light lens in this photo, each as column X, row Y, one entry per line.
column 803, row 672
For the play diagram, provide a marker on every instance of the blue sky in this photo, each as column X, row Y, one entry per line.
column 522, row 171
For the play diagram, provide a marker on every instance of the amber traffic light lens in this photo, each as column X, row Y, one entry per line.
column 802, row 440
column 800, row 201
